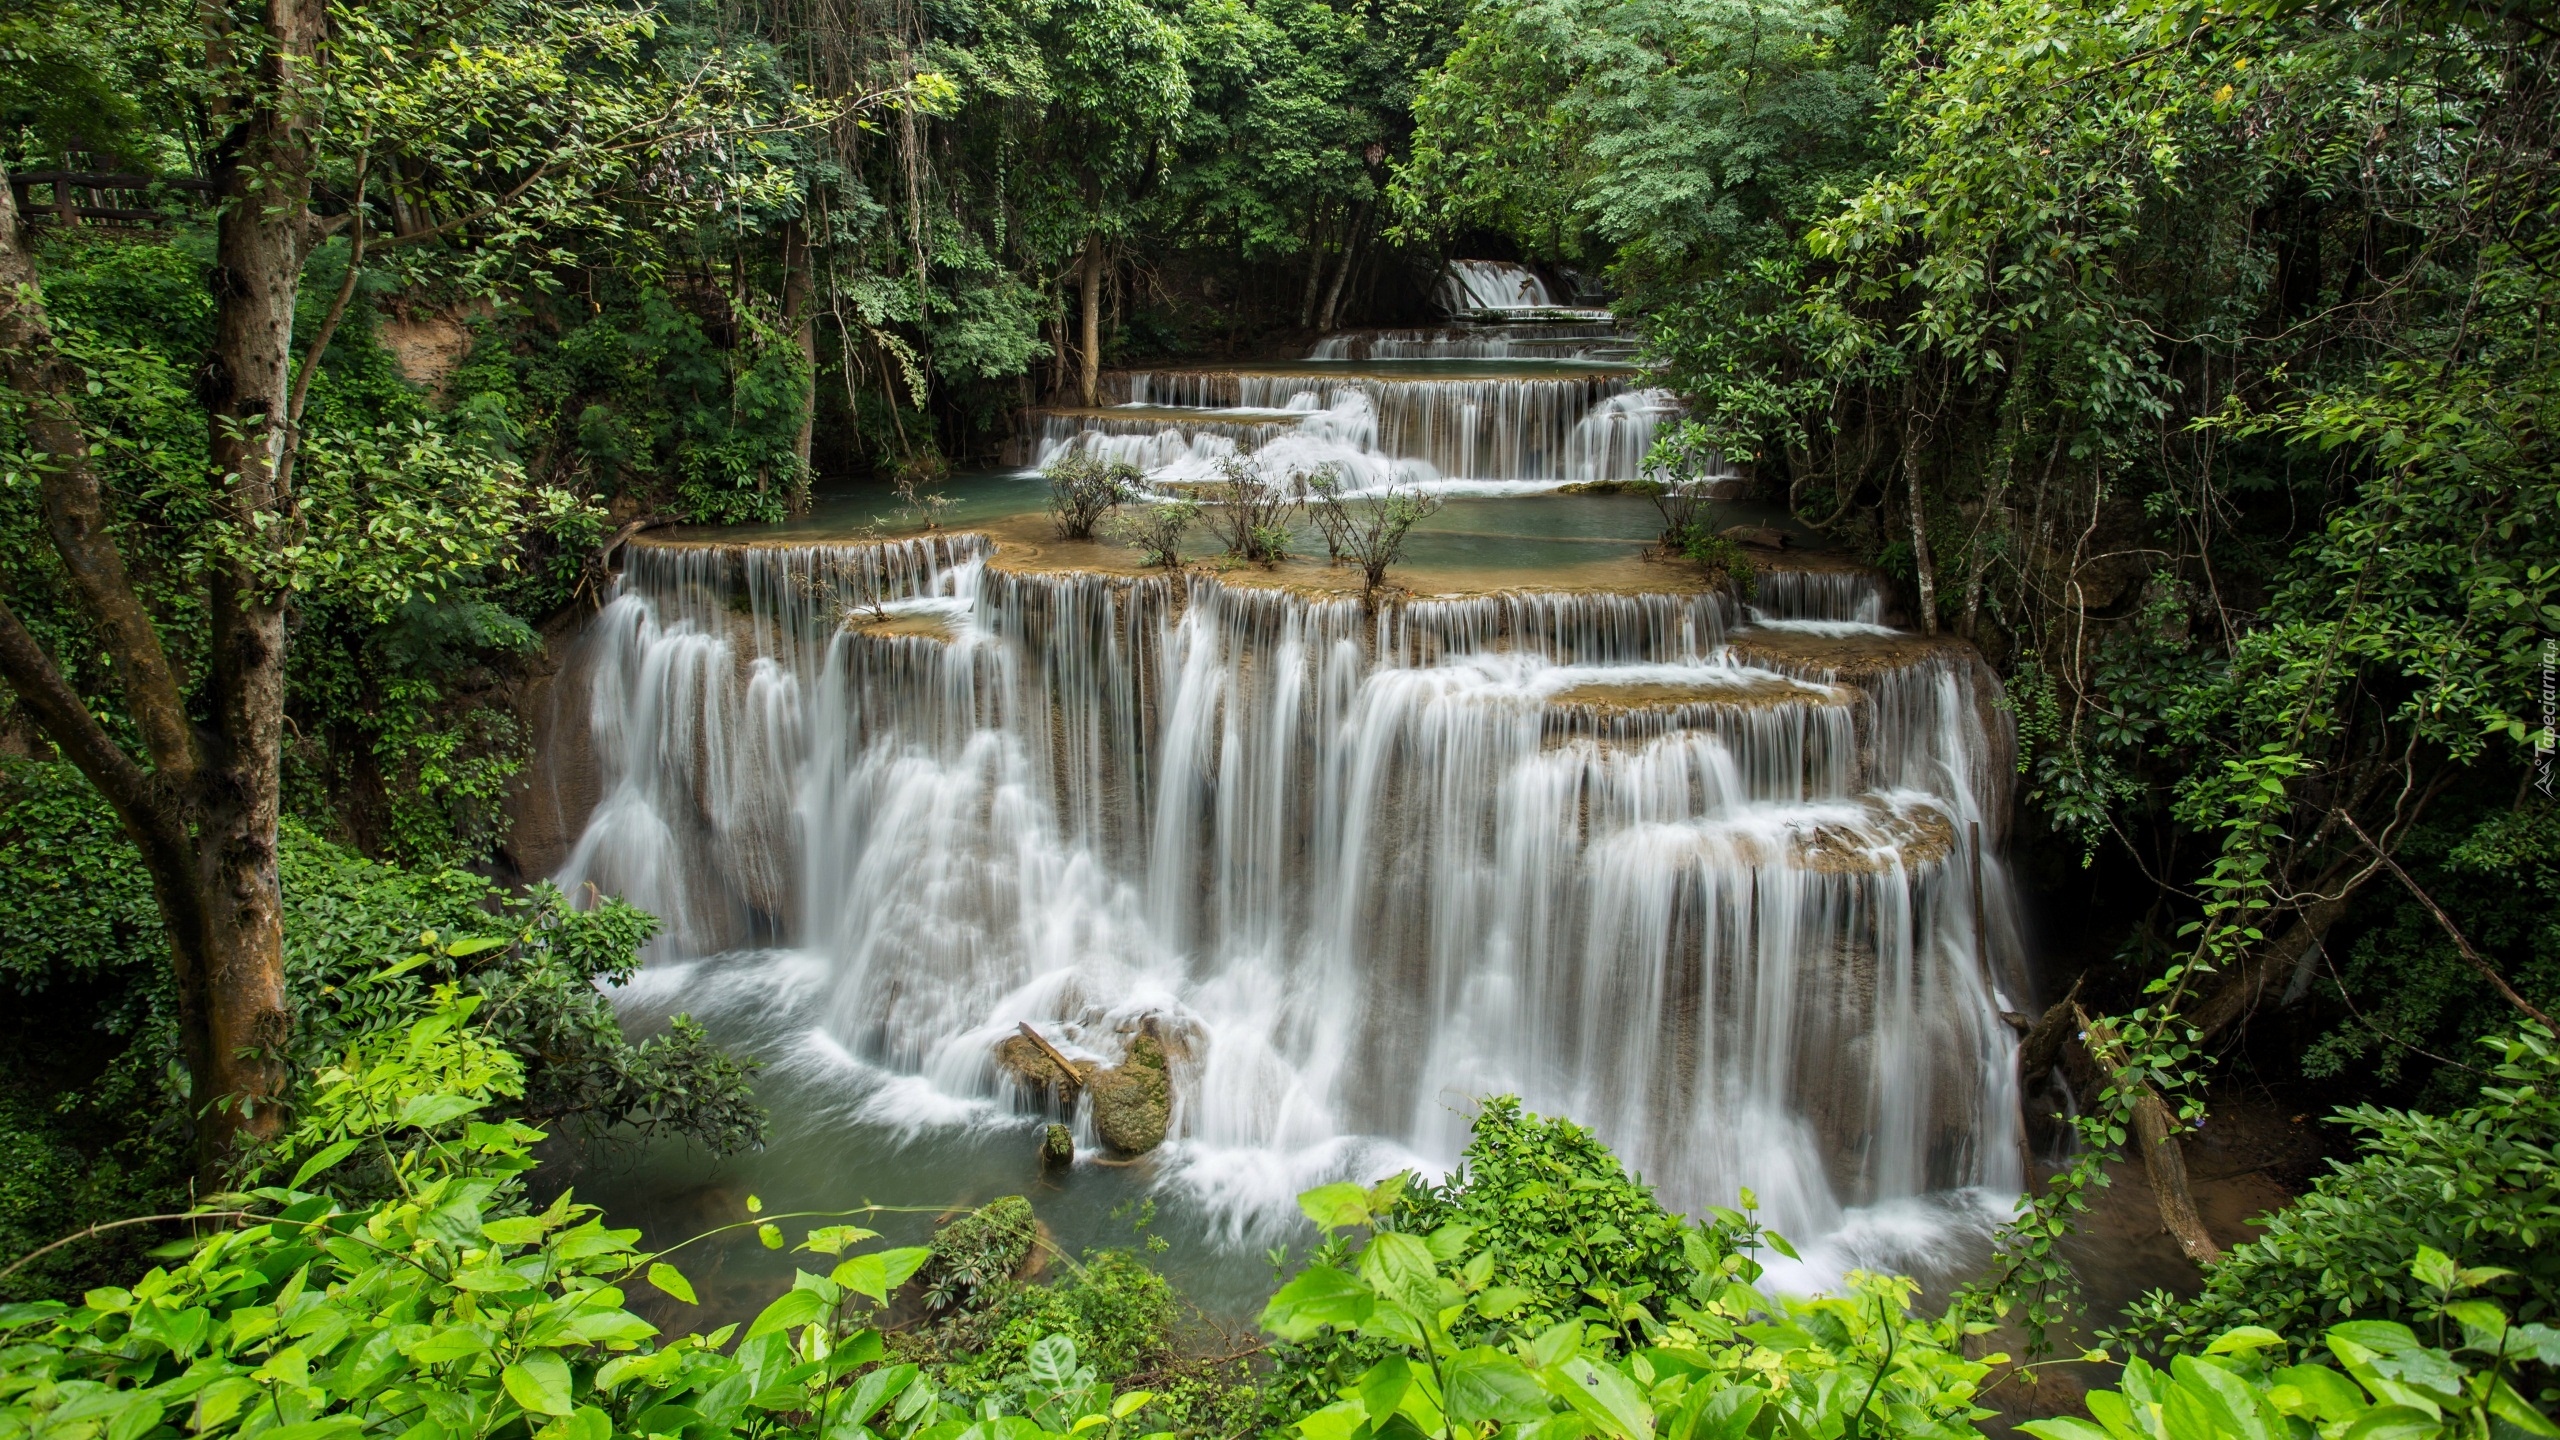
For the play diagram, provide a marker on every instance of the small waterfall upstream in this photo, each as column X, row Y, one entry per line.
column 1701, row 877
column 1504, row 405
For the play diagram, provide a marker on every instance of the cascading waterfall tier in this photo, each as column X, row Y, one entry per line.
column 1694, row 881
column 1517, row 404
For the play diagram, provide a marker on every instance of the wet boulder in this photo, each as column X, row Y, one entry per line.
column 1133, row 1100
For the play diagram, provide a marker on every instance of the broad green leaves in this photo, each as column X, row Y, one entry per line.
column 1453, row 1288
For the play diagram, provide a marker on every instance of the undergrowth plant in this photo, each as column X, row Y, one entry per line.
column 454, row 1308
column 1543, row 1292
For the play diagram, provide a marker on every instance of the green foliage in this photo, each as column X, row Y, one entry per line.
column 1154, row 531
column 1118, row 1313
column 453, row 1308
column 1544, row 1293
column 979, row 1251
column 91, row 1075
column 2481, row 1184
column 2394, row 1383
column 1368, row 531
column 1083, row 487
column 640, row 397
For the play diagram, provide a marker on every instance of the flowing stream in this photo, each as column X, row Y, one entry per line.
column 1719, row 879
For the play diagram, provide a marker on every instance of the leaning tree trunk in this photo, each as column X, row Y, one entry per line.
column 202, row 813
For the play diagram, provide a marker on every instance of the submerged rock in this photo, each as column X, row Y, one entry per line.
column 1764, row 537
column 1133, row 1100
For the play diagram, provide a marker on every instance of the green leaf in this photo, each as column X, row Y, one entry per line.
column 836, row 1239
column 881, row 1272
column 2395, row 1422
column 517, row 1230
column 322, row 1161
column 1343, row 1420
column 1052, row 1362
column 1382, row 1387
column 1314, row 1298
column 670, row 1281
column 793, row 1308
column 456, row 1342
column 2065, row 1427
column 588, row 1423
column 1450, row 1241
column 875, row 1389
column 539, row 1382
column 2328, row 1395
column 1336, row 1207
column 1400, row 1266
column 1609, row 1400
column 2513, row 1408
column 436, row 1107
column 1484, row 1384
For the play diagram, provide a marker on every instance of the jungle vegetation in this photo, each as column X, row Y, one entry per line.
column 2192, row 358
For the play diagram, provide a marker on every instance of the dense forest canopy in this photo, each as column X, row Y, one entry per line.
column 2193, row 359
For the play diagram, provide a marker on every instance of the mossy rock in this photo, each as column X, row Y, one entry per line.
column 973, row 1252
column 1133, row 1100
column 1057, row 1148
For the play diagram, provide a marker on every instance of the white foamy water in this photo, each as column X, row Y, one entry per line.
column 1360, row 869
column 1525, row 418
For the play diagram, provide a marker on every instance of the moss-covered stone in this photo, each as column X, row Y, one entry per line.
column 1133, row 1100
column 1057, row 1148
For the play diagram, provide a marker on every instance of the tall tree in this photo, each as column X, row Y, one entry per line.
column 469, row 128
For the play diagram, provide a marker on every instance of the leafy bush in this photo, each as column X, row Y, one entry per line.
column 1462, row 1352
column 453, row 1310
column 979, row 1251
column 1154, row 531
column 1367, row 531
column 1249, row 511
column 2393, row 1383
column 1118, row 1313
column 2480, row 1184
column 1083, row 487
column 87, row 1075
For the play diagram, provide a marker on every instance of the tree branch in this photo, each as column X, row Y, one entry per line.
column 2162, row 1160
column 75, row 512
column 2473, row 957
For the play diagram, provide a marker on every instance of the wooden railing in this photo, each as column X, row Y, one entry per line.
column 69, row 207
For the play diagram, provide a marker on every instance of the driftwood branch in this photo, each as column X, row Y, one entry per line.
column 1057, row 1057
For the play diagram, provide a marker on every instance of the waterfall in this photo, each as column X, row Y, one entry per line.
column 1498, row 288
column 1542, row 399
column 1488, row 434
column 1702, row 882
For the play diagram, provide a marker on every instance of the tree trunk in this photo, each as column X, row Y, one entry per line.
column 204, row 815
column 800, row 317
column 263, row 171
column 1315, row 273
column 1089, row 365
column 1922, row 565
column 1342, row 272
